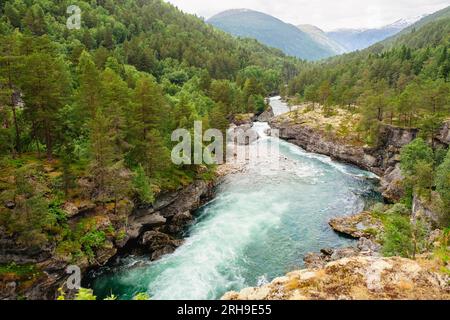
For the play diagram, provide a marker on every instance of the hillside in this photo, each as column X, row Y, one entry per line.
column 436, row 17
column 402, row 84
column 321, row 37
column 272, row 32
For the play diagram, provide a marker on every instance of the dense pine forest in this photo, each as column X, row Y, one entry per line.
column 101, row 102
column 403, row 82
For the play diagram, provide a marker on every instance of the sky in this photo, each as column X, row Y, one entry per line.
column 326, row 14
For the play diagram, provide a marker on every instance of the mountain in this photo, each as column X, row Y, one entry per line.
column 321, row 37
column 272, row 32
column 417, row 25
column 358, row 39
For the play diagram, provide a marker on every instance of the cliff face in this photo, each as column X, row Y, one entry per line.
column 376, row 160
column 356, row 278
column 382, row 160
column 152, row 229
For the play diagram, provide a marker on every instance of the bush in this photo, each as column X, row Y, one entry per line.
column 399, row 209
column 443, row 185
column 403, row 238
column 378, row 208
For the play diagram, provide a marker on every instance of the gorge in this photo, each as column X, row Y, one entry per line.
column 253, row 231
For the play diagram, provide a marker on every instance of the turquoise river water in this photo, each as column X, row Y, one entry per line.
column 258, row 227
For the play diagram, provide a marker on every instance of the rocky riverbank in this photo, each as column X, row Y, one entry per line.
column 330, row 136
column 153, row 230
column 355, row 278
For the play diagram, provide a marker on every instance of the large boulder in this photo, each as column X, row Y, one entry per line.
column 139, row 223
column 159, row 244
column 361, row 225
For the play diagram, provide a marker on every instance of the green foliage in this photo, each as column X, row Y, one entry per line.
column 399, row 209
column 403, row 238
column 24, row 272
column 443, row 187
column 415, row 152
column 85, row 294
column 403, row 82
column 141, row 297
column 143, row 186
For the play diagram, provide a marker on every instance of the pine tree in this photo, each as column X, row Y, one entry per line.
column 45, row 83
column 89, row 91
column 102, row 152
column 116, row 104
column 151, row 111
column 10, row 64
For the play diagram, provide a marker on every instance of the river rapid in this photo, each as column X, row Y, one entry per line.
column 260, row 226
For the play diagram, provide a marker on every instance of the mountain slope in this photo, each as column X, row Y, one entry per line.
column 272, row 32
column 321, row 37
column 425, row 21
column 358, row 39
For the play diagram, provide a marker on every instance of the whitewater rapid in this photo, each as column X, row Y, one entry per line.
column 257, row 228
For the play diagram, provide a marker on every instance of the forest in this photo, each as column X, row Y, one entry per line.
column 402, row 82
column 101, row 101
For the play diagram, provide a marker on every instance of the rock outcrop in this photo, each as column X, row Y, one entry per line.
column 152, row 228
column 382, row 159
column 355, row 278
column 266, row 116
column 365, row 247
column 361, row 225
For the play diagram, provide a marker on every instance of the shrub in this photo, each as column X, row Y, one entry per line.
column 403, row 238
column 399, row 209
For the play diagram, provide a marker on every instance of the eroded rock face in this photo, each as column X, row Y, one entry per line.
column 356, row 278
column 365, row 247
column 168, row 216
column 383, row 160
column 391, row 183
column 266, row 116
column 361, row 225
column 159, row 244
column 444, row 135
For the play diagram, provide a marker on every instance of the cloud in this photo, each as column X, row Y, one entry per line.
column 327, row 14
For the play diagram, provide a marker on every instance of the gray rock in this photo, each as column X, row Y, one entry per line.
column 159, row 244
column 137, row 224
column 9, row 204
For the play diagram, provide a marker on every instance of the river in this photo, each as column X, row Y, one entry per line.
column 257, row 228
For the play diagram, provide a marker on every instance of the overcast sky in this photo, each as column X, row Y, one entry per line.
column 326, row 14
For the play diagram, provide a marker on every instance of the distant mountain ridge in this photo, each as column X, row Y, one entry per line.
column 273, row 32
column 358, row 39
column 321, row 37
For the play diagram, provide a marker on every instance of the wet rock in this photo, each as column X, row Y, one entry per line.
column 266, row 116
column 244, row 134
column 139, row 223
column 180, row 221
column 159, row 244
column 361, row 225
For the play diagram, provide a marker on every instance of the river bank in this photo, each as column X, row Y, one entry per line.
column 335, row 136
column 153, row 230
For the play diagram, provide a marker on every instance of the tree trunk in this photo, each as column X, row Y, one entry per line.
column 48, row 142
